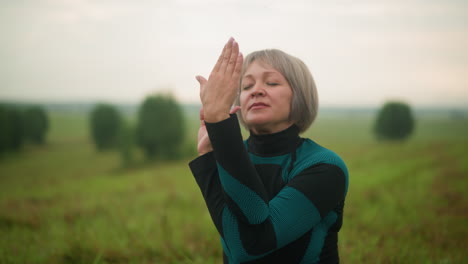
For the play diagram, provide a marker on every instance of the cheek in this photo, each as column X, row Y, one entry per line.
column 284, row 97
column 286, row 101
column 242, row 100
column 243, row 105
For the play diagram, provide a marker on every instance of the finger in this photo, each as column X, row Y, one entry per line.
column 238, row 69
column 202, row 115
column 239, row 62
column 206, row 138
column 226, row 56
column 220, row 59
column 234, row 109
column 233, row 58
column 204, row 144
column 202, row 81
column 203, row 140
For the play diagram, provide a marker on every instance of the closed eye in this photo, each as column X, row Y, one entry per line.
column 246, row 87
column 272, row 84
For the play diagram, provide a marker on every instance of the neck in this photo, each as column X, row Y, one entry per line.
column 266, row 130
column 274, row 144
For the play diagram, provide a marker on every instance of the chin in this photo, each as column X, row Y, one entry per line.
column 257, row 122
column 257, row 119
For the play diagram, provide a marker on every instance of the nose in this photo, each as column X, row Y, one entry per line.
column 258, row 90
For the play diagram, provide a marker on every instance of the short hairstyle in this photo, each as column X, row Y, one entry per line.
column 304, row 102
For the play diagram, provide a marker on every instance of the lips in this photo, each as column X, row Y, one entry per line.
column 258, row 105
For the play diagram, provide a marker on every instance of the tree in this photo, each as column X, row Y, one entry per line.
column 160, row 127
column 35, row 124
column 105, row 123
column 11, row 129
column 394, row 121
column 4, row 135
column 126, row 143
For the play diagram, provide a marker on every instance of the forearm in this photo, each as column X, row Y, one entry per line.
column 205, row 173
column 246, row 193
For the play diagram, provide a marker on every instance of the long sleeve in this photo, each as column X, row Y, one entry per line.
column 206, row 174
column 240, row 181
column 251, row 223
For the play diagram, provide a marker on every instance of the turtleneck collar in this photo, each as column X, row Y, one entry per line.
column 275, row 144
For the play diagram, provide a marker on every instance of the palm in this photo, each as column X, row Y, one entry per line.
column 218, row 93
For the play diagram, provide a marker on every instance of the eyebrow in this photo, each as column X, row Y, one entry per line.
column 264, row 73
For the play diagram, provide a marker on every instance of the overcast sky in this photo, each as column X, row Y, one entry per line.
column 360, row 52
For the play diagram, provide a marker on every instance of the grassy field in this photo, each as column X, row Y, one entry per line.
column 66, row 203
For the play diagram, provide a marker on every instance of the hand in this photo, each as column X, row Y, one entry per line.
column 218, row 93
column 204, row 143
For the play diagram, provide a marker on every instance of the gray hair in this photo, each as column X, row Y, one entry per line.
column 304, row 102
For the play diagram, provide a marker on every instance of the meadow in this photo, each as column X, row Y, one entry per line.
column 67, row 203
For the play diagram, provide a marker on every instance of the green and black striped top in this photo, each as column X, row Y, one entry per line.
column 274, row 198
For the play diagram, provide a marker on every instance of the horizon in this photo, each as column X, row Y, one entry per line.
column 89, row 103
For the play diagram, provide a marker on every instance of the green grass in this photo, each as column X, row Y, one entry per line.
column 66, row 203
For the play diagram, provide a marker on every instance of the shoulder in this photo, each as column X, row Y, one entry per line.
column 310, row 154
column 317, row 160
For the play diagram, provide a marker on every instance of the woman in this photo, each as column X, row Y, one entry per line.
column 275, row 198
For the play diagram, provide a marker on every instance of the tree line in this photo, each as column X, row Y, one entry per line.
column 159, row 130
column 160, row 127
column 20, row 126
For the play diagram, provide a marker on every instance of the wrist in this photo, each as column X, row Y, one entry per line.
column 214, row 116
